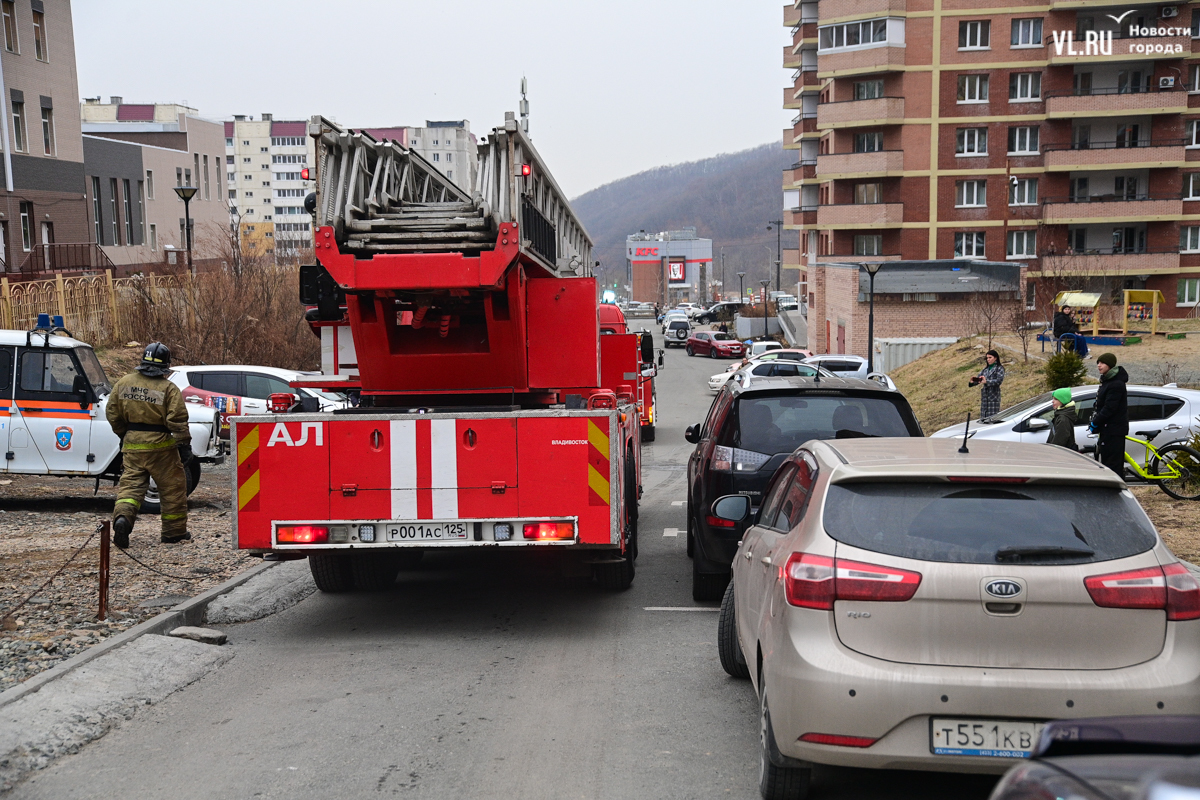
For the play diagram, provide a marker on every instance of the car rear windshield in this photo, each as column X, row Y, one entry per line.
column 677, row 325
column 771, row 424
column 989, row 523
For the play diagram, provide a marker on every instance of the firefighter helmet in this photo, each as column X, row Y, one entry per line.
column 156, row 360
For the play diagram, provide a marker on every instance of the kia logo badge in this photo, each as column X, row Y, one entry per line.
column 1003, row 588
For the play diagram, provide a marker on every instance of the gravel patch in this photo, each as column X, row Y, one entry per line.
column 44, row 519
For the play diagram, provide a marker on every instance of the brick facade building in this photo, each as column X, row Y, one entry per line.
column 1045, row 134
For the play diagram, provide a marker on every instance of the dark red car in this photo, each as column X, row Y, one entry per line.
column 715, row 344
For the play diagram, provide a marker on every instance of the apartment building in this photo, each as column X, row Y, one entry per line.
column 43, row 204
column 450, row 146
column 1059, row 135
column 263, row 162
column 135, row 154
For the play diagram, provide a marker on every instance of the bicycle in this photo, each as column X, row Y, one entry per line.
column 1174, row 467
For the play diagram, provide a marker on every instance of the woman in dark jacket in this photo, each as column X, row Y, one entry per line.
column 1110, row 417
column 1062, row 425
column 991, row 378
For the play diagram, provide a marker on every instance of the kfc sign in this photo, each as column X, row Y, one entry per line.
column 676, row 272
column 647, row 251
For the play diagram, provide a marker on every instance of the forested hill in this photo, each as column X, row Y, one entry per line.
column 728, row 198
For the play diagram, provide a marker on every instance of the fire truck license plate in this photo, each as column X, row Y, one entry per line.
column 422, row 531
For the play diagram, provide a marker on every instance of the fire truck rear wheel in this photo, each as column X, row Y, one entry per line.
column 648, row 433
column 615, row 577
column 373, row 570
column 331, row 571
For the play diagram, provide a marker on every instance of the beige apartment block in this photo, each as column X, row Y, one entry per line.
column 264, row 159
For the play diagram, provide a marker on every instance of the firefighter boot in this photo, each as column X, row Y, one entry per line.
column 121, row 526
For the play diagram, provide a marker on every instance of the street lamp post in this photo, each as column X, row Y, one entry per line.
column 778, row 223
column 722, row 273
column 765, row 284
column 186, row 193
column 872, row 269
column 741, row 288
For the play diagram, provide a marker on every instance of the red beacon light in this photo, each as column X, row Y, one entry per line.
column 305, row 174
column 526, row 171
column 281, row 402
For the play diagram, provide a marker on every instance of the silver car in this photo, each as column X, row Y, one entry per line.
column 1165, row 411
column 899, row 604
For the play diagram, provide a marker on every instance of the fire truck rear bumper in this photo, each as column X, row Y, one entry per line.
column 301, row 535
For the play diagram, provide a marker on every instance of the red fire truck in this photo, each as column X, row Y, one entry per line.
column 612, row 320
column 492, row 412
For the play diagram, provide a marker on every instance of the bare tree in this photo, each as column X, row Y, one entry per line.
column 988, row 309
column 1023, row 330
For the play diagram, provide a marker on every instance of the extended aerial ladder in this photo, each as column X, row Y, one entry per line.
column 493, row 412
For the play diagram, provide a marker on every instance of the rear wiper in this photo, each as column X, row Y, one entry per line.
column 1048, row 551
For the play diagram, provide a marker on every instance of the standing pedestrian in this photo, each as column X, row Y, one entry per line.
column 1062, row 424
column 147, row 412
column 991, row 377
column 1110, row 415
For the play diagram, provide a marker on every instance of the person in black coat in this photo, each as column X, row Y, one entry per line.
column 1110, row 416
column 1064, row 322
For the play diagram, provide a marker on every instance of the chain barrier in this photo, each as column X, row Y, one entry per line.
column 134, row 558
column 49, row 580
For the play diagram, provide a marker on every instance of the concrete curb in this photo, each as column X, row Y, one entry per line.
column 189, row 612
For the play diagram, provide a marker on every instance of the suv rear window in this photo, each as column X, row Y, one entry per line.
column 766, row 423
column 677, row 325
column 988, row 524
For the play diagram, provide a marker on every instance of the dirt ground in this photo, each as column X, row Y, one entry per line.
column 43, row 520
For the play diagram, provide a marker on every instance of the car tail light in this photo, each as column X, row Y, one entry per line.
column 811, row 581
column 548, row 530
column 301, row 534
column 1171, row 588
column 733, row 459
column 835, row 739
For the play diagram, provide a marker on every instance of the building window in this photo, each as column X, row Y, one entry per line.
column 969, row 244
column 150, row 184
column 1022, row 244
column 870, row 245
column 1189, row 239
column 247, row 177
column 179, row 176
column 233, row 194
column 39, row 36
column 1192, row 131
column 249, row 194
column 9, row 13
column 116, row 217
column 246, row 160
column 1025, row 87
column 228, row 142
column 852, row 34
column 19, row 127
column 26, row 223
column 288, row 160
column 970, row 194
column 153, row 236
column 450, row 174
column 206, row 195
column 264, row 149
column 228, row 159
column 127, row 208
column 971, row 142
column 48, row 130
column 287, row 141
column 1026, row 33
column 868, row 193
column 1022, row 192
column 96, row 210
column 436, row 156
column 246, row 143
column 871, row 142
column 141, row 214
column 1191, row 186
column 1188, row 292
column 974, row 35
column 449, row 156
column 972, row 88
column 187, row 177
column 1194, row 72
column 868, row 90
column 1022, row 140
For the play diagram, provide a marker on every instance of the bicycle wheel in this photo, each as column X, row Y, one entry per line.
column 1180, row 466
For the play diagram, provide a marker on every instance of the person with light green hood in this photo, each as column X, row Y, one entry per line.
column 1062, row 426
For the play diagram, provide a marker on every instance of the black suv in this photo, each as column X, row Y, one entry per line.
column 754, row 424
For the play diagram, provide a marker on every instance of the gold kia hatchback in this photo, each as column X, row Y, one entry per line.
column 901, row 604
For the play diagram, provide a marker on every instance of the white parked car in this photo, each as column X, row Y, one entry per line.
column 53, row 395
column 717, row 381
column 1168, row 412
column 848, row 366
column 758, row 348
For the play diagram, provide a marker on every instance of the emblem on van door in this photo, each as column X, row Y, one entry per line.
column 1003, row 588
column 62, row 438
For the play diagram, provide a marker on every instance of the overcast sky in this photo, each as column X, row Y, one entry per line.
column 615, row 87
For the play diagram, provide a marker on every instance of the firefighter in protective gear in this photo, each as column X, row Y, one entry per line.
column 146, row 410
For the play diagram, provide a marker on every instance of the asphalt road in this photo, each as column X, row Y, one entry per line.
column 478, row 676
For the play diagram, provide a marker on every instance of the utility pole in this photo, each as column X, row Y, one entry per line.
column 778, row 223
column 722, row 272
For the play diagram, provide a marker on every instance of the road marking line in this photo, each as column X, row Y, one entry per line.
column 678, row 608
column 670, row 531
column 677, row 502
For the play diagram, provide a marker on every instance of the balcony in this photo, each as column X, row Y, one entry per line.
column 1115, row 155
column 859, row 62
column 794, row 218
column 1110, row 208
column 1117, row 48
column 791, row 58
column 790, row 99
column 1113, row 103
column 881, row 163
column 853, row 113
column 1106, row 262
column 861, row 215
column 802, row 169
column 791, row 16
column 864, row 8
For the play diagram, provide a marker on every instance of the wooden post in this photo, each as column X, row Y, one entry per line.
column 112, row 304
column 1125, row 316
column 1154, row 321
column 62, row 300
column 7, row 316
column 102, row 611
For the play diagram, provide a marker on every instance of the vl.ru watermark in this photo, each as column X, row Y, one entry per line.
column 1100, row 43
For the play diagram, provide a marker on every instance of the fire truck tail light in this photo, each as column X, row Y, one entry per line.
column 302, row 534
column 548, row 530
